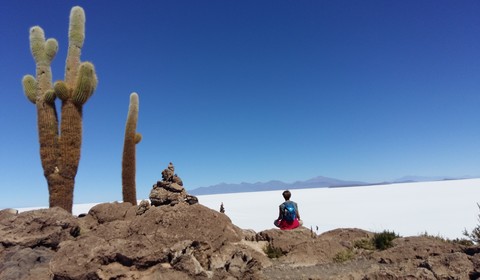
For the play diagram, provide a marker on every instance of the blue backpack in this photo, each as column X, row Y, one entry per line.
column 289, row 212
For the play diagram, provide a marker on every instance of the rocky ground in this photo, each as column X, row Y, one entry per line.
column 183, row 241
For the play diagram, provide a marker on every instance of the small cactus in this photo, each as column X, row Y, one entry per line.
column 128, row 160
column 60, row 148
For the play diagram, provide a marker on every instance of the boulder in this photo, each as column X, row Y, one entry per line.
column 20, row 263
column 7, row 213
column 420, row 257
column 107, row 212
column 443, row 259
column 142, row 207
column 191, row 199
column 162, row 196
column 191, row 239
column 45, row 227
column 177, row 180
column 81, row 258
column 174, row 187
column 302, row 247
column 169, row 225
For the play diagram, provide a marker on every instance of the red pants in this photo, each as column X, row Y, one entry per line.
column 284, row 225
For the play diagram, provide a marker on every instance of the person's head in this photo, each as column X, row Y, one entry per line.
column 287, row 194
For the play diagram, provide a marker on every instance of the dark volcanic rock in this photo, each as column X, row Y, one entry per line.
column 301, row 247
column 107, row 212
column 335, row 255
column 191, row 199
column 184, row 238
column 121, row 241
column 18, row 263
column 444, row 260
column 142, row 207
column 45, row 227
column 169, row 225
column 161, row 196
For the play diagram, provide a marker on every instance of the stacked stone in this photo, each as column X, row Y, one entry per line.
column 170, row 190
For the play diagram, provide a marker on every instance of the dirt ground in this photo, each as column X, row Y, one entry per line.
column 348, row 270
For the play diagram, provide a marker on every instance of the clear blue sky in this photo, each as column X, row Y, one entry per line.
column 234, row 91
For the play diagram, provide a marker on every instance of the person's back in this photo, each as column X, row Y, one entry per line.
column 288, row 217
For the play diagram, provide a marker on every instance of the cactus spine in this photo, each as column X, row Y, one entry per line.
column 60, row 150
column 128, row 160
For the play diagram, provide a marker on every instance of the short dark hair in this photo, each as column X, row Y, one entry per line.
column 287, row 194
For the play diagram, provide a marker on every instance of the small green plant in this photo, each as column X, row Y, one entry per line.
column 273, row 252
column 474, row 235
column 383, row 240
column 344, row 256
column 379, row 241
column 437, row 237
column 366, row 244
column 462, row 241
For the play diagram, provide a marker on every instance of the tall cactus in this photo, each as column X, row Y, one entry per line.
column 60, row 150
column 128, row 160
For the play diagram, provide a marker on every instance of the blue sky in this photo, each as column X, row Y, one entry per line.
column 247, row 91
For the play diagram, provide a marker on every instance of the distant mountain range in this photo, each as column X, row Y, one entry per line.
column 407, row 179
column 316, row 182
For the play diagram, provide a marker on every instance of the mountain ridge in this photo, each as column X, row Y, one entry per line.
column 315, row 182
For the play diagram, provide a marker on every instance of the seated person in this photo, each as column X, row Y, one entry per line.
column 288, row 216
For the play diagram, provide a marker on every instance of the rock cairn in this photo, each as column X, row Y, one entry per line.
column 170, row 190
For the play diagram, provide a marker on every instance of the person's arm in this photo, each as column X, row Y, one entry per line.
column 298, row 213
column 279, row 212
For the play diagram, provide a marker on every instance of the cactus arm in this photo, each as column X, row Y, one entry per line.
column 85, row 84
column 138, row 138
column 76, row 36
column 61, row 90
column 30, row 88
column 129, row 157
column 43, row 53
column 37, row 43
column 49, row 96
column 51, row 49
